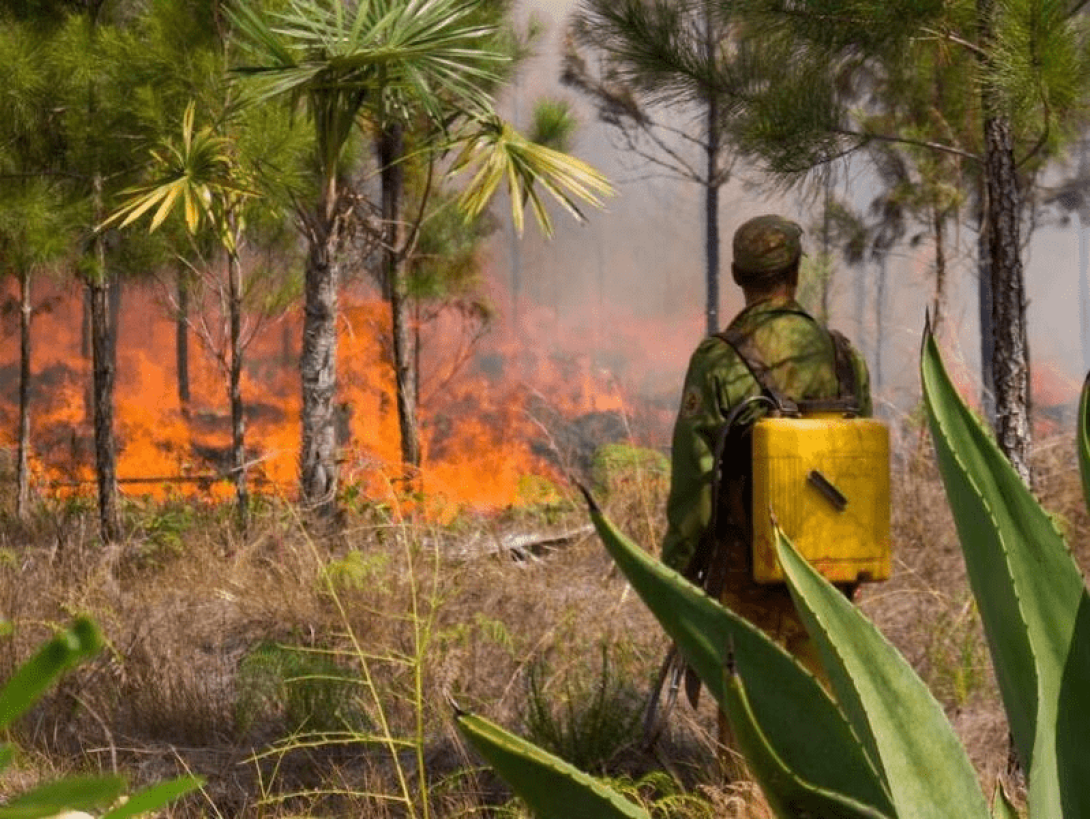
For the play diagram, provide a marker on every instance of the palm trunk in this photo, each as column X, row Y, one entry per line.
column 181, row 340
column 238, row 421
column 1011, row 363
column 391, row 148
column 22, row 465
column 318, row 359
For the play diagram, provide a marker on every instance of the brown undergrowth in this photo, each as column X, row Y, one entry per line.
column 310, row 673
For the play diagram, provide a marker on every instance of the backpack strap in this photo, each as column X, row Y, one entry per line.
column 747, row 351
column 846, row 401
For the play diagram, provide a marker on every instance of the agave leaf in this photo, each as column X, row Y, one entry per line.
column 1031, row 596
column 1084, row 439
column 83, row 793
column 787, row 795
column 801, row 722
column 923, row 762
column 31, row 679
column 551, row 787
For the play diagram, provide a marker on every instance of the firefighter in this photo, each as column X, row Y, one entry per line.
column 774, row 341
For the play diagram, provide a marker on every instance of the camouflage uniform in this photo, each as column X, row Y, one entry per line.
column 800, row 356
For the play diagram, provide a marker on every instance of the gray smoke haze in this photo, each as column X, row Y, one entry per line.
column 639, row 264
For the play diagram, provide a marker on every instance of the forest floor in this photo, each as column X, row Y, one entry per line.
column 311, row 673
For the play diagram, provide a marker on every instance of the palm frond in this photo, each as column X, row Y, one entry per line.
column 497, row 152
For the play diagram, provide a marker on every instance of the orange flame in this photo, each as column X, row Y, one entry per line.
column 481, row 434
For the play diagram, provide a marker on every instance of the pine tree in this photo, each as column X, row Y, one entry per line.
column 1022, row 79
column 663, row 74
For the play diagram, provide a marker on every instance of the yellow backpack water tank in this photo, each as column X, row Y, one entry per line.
column 827, row 482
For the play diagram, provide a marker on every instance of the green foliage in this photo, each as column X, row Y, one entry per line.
column 619, row 468
column 306, row 687
column 594, row 719
column 1035, row 609
column 956, row 655
column 551, row 786
column 82, row 793
column 356, row 570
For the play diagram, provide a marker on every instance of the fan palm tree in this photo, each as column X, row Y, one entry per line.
column 201, row 177
column 392, row 65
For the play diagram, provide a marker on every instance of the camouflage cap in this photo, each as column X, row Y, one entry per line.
column 766, row 244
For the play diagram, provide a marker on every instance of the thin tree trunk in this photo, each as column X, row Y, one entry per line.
column 711, row 187
column 22, row 465
column 1084, row 256
column 391, row 149
column 1011, row 362
column 318, row 359
column 938, row 302
column 181, row 340
column 879, row 324
column 102, row 363
column 238, row 421
column 987, row 335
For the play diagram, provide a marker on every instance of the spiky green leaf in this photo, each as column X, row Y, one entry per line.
column 1031, row 596
column 922, row 760
column 787, row 794
column 801, row 722
column 550, row 786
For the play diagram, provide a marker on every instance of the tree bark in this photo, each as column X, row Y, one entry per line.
column 238, row 421
column 102, row 364
column 938, row 302
column 711, row 187
column 181, row 340
column 318, row 358
column 987, row 335
column 1010, row 365
column 22, row 463
column 391, row 150
column 879, row 324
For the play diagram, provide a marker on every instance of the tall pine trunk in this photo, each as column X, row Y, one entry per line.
column 102, row 391
column 391, row 150
column 938, row 300
column 712, row 146
column 318, row 357
column 181, row 339
column 1010, row 365
column 238, row 421
column 22, row 464
column 987, row 335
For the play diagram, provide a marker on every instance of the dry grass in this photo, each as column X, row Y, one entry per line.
column 186, row 603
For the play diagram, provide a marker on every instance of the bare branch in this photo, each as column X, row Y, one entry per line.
column 957, row 39
column 919, row 143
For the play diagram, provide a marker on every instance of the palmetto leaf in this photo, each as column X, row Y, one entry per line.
column 496, row 153
column 419, row 49
column 199, row 173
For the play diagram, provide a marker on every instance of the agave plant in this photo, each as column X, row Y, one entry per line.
column 75, row 793
column 882, row 747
